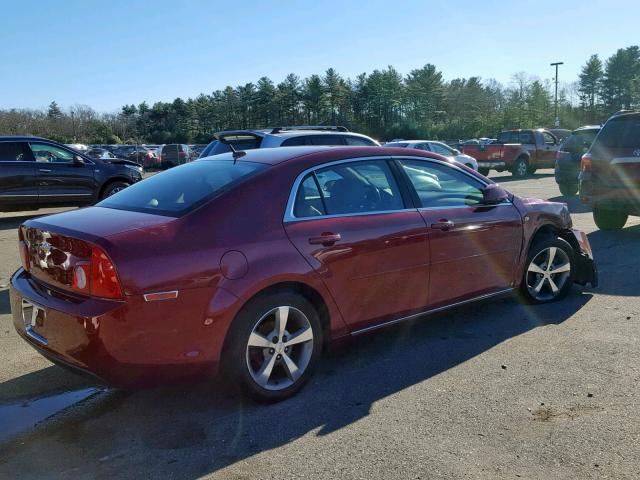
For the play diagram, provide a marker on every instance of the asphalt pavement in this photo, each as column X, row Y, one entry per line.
column 491, row 390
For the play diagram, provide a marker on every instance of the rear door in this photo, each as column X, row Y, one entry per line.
column 61, row 180
column 18, row 182
column 473, row 248
column 350, row 221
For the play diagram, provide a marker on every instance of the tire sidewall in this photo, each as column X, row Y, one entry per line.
column 534, row 250
column 517, row 169
column 109, row 189
column 234, row 363
column 604, row 221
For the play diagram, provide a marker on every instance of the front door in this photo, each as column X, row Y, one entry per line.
column 61, row 180
column 351, row 224
column 474, row 248
column 18, row 183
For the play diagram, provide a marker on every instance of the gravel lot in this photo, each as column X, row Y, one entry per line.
column 494, row 390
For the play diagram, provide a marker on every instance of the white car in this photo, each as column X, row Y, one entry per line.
column 436, row 147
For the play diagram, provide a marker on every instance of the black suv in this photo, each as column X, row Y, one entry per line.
column 286, row 137
column 37, row 173
column 568, row 158
column 610, row 172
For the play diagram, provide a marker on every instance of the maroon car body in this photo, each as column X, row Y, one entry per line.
column 517, row 151
column 168, row 287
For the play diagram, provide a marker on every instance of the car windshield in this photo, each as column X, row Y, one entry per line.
column 181, row 189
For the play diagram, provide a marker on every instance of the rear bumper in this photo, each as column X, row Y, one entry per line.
column 616, row 198
column 567, row 172
column 129, row 343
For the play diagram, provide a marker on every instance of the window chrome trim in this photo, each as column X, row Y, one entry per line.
column 431, row 311
column 289, row 215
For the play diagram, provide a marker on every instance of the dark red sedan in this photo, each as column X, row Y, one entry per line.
column 255, row 263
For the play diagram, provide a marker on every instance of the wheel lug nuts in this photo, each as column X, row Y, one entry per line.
column 274, row 339
column 271, row 351
column 279, row 357
column 286, row 349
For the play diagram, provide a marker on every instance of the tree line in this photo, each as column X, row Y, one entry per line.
column 383, row 104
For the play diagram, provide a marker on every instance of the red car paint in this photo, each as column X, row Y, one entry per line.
column 208, row 263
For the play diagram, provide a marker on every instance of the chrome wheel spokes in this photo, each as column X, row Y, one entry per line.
column 547, row 273
column 279, row 348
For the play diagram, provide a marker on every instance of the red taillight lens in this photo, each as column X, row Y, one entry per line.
column 103, row 281
column 586, row 164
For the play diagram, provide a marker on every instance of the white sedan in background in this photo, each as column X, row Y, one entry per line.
column 436, row 147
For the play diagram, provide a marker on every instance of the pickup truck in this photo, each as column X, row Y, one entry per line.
column 519, row 151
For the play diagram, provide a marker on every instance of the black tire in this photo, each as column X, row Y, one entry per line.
column 532, row 279
column 236, row 357
column 568, row 189
column 113, row 187
column 608, row 218
column 531, row 170
column 484, row 171
column 520, row 168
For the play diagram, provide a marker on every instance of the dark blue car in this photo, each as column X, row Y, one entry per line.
column 568, row 158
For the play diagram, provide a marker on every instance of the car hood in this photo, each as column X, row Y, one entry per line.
column 120, row 161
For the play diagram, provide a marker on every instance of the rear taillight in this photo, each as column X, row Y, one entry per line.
column 97, row 278
column 586, row 163
column 24, row 250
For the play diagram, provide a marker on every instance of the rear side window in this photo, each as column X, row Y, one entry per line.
column 326, row 140
column 508, row 137
column 621, row 132
column 179, row 190
column 309, row 201
column 15, row 151
column 526, row 138
column 295, row 141
column 358, row 141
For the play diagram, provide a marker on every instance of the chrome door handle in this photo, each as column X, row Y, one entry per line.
column 326, row 239
column 44, row 170
column 443, row 225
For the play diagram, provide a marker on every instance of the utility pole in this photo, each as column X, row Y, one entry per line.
column 73, row 124
column 556, row 65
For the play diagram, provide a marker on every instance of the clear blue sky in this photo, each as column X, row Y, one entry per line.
column 108, row 53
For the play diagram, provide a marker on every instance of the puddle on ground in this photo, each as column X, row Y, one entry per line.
column 15, row 418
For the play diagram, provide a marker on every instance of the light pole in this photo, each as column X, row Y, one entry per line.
column 556, row 65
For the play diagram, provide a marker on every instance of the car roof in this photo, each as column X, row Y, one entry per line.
column 277, row 155
column 588, row 127
column 24, row 138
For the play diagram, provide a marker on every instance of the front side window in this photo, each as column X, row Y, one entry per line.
column 441, row 149
column 548, row 139
column 349, row 188
column 51, row 154
column 440, row 186
column 526, row 138
column 358, row 141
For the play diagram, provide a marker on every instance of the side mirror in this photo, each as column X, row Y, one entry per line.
column 78, row 160
column 456, row 151
column 494, row 194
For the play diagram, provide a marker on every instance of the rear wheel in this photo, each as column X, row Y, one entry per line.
column 484, row 171
column 548, row 273
column 521, row 168
column 273, row 346
column 568, row 189
column 608, row 218
column 113, row 188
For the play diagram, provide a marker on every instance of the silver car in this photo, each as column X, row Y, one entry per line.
column 436, row 147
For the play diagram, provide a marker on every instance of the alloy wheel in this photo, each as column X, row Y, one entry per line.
column 521, row 168
column 279, row 348
column 547, row 273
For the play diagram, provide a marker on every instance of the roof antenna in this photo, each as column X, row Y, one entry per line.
column 236, row 154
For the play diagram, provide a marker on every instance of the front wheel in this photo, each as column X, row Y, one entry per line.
column 521, row 168
column 483, row 171
column 609, row 219
column 548, row 273
column 568, row 189
column 273, row 346
column 113, row 188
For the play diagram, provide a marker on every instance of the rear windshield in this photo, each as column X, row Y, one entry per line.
column 621, row 132
column 579, row 140
column 181, row 189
